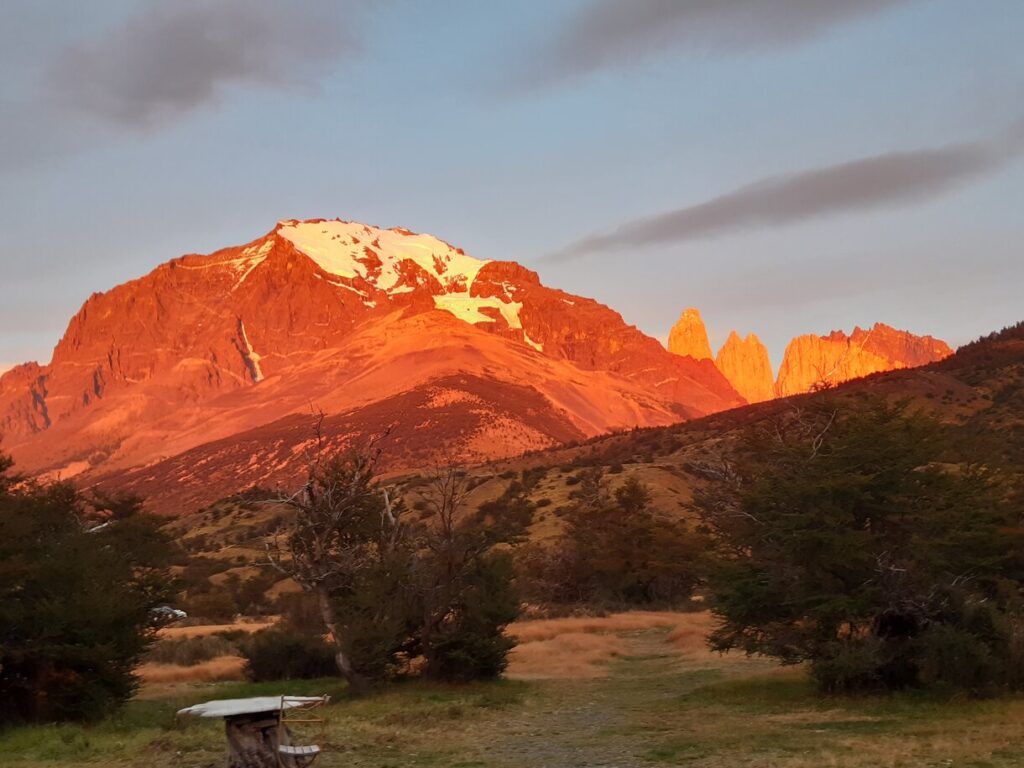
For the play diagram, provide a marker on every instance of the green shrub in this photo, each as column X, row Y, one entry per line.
column 214, row 606
column 283, row 654
column 471, row 643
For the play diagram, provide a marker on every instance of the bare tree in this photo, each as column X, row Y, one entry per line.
column 344, row 523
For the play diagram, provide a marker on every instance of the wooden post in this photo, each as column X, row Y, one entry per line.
column 253, row 741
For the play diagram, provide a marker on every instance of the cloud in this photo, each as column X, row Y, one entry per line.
column 612, row 33
column 864, row 184
column 169, row 59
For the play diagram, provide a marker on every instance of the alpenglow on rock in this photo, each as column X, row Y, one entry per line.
column 745, row 363
column 813, row 362
column 689, row 336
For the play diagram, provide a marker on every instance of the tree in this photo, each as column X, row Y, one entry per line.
column 849, row 540
column 79, row 579
column 388, row 591
column 616, row 549
column 462, row 586
column 345, row 527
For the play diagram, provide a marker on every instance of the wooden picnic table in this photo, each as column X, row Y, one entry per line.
column 257, row 731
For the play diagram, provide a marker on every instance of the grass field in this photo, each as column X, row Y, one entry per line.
column 628, row 690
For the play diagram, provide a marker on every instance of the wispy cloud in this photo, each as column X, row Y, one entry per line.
column 612, row 33
column 864, row 184
column 169, row 59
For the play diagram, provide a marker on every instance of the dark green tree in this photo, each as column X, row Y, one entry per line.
column 865, row 542
column 616, row 550
column 78, row 581
column 462, row 586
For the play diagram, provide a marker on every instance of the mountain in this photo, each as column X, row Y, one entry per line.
column 689, row 336
column 810, row 361
column 745, row 363
column 813, row 361
column 207, row 372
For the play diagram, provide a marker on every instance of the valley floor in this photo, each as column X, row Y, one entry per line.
column 633, row 690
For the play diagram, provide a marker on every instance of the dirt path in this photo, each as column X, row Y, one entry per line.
column 606, row 721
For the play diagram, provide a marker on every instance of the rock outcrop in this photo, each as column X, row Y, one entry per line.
column 689, row 336
column 745, row 363
column 813, row 362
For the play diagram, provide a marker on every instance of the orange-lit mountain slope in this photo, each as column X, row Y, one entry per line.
column 476, row 358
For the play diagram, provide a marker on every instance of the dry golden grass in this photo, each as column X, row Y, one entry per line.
column 210, row 629
column 580, row 647
column 631, row 621
column 216, row 669
column 690, row 633
column 568, row 655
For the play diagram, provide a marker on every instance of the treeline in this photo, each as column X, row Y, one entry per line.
column 881, row 547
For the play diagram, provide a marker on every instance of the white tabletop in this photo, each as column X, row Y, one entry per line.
column 250, row 706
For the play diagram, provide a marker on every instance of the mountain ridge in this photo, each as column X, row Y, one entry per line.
column 338, row 315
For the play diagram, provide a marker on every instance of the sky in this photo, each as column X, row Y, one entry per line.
column 786, row 166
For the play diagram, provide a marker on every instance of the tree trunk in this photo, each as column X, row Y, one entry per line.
column 355, row 681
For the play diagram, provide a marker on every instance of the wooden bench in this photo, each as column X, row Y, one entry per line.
column 294, row 750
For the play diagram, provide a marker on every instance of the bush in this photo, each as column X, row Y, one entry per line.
column 471, row 643
column 283, row 654
column 218, row 606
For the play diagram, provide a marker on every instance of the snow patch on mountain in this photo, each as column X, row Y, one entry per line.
column 251, row 358
column 349, row 250
column 243, row 265
column 468, row 308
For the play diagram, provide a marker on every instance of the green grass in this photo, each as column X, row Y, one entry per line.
column 652, row 709
column 147, row 732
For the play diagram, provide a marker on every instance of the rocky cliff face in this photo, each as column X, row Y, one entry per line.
column 745, row 363
column 812, row 362
column 346, row 317
column 689, row 336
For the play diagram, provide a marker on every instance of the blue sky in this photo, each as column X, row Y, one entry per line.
column 786, row 166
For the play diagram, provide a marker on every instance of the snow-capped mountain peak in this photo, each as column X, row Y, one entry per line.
column 351, row 249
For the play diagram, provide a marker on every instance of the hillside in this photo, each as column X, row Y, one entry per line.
column 979, row 390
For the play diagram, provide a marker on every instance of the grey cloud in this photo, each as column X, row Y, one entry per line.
column 608, row 33
column 872, row 182
column 171, row 58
